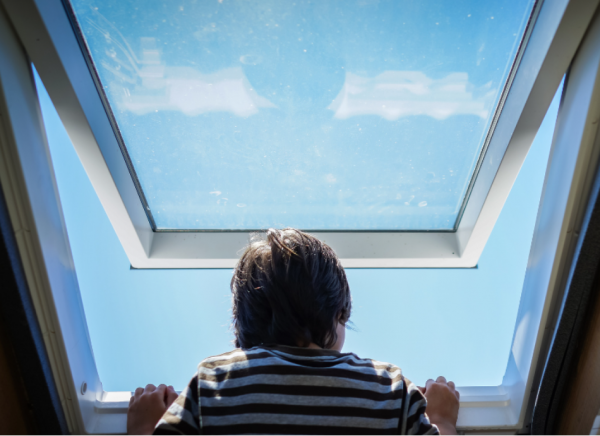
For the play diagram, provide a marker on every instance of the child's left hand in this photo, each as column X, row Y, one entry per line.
column 147, row 406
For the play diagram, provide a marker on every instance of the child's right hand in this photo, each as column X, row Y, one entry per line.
column 442, row 404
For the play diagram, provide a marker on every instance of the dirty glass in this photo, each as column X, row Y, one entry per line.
column 319, row 115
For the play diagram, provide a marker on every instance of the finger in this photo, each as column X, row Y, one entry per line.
column 451, row 385
column 149, row 388
column 441, row 379
column 161, row 391
column 138, row 392
column 131, row 400
column 171, row 395
column 428, row 383
column 457, row 395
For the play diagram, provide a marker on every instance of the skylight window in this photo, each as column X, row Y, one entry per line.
column 397, row 141
column 318, row 115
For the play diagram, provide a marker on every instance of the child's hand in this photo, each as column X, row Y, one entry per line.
column 147, row 406
column 442, row 404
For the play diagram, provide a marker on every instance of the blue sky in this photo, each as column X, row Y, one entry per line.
column 355, row 114
column 154, row 326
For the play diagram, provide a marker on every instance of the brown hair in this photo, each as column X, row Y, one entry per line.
column 289, row 289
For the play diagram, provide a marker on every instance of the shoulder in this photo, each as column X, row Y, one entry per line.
column 234, row 356
column 381, row 368
column 380, row 364
column 223, row 356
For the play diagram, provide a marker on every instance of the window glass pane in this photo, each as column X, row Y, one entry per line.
column 154, row 326
column 321, row 115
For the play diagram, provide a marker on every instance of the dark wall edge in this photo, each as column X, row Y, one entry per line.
column 579, row 293
column 18, row 313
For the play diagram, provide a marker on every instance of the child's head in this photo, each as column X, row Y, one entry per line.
column 289, row 289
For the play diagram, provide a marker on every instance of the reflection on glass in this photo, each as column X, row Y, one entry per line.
column 353, row 115
column 395, row 94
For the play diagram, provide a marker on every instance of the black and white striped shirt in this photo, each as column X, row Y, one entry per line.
column 292, row 390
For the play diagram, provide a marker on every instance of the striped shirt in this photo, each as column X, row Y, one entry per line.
column 292, row 390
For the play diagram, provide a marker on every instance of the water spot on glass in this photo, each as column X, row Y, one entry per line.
column 330, row 178
column 423, row 204
column 250, row 59
column 157, row 170
column 240, row 205
column 217, row 193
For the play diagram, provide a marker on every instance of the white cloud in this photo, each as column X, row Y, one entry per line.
column 395, row 94
column 184, row 89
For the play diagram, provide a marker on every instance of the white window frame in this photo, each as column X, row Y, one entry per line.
column 27, row 179
column 47, row 33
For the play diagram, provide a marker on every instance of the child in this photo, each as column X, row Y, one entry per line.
column 291, row 302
